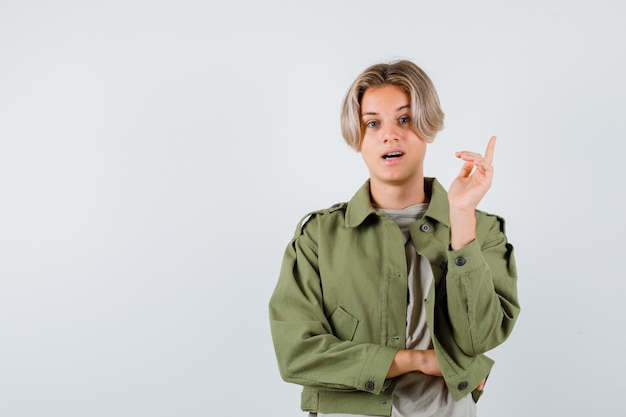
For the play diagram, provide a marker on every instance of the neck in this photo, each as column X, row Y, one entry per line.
column 398, row 196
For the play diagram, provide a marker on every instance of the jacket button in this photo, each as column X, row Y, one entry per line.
column 369, row 385
column 460, row 261
column 425, row 228
column 462, row 385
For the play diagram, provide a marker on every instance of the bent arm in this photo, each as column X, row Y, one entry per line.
column 307, row 351
column 482, row 289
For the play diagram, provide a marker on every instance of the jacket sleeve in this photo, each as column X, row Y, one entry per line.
column 481, row 286
column 307, row 351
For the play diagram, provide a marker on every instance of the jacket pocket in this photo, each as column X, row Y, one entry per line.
column 343, row 323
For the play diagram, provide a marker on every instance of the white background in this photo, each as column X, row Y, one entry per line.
column 156, row 156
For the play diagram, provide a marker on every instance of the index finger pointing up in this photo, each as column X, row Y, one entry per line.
column 490, row 148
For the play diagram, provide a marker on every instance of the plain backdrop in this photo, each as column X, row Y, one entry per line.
column 156, row 156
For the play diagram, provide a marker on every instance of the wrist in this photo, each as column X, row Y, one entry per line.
column 419, row 361
column 406, row 361
column 462, row 227
column 461, row 211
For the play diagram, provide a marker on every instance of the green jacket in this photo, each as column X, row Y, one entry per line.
column 338, row 312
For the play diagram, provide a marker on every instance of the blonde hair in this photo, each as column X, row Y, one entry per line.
column 427, row 116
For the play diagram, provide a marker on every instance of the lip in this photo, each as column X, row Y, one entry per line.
column 388, row 151
column 392, row 160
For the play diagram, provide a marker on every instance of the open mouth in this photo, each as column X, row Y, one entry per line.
column 393, row 155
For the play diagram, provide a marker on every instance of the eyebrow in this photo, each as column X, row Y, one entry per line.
column 371, row 113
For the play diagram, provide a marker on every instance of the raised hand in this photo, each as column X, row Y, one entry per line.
column 474, row 180
column 466, row 191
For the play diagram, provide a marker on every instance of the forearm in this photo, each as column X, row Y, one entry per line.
column 318, row 362
column 462, row 227
column 481, row 290
column 407, row 361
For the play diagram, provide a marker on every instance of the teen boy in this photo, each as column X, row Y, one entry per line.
column 386, row 304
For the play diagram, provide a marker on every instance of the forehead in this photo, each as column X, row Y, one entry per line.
column 384, row 98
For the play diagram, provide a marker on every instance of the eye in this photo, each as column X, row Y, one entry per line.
column 405, row 120
column 371, row 123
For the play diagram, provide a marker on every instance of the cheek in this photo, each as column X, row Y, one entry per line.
column 367, row 153
column 369, row 139
column 366, row 146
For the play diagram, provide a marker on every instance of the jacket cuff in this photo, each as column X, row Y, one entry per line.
column 466, row 259
column 373, row 377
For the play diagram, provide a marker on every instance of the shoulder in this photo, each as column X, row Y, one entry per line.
column 334, row 212
column 489, row 223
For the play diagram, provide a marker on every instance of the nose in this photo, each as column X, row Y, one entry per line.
column 390, row 133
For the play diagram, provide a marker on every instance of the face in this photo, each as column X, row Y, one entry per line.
column 391, row 149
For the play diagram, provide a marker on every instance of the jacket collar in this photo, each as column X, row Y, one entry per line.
column 360, row 206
